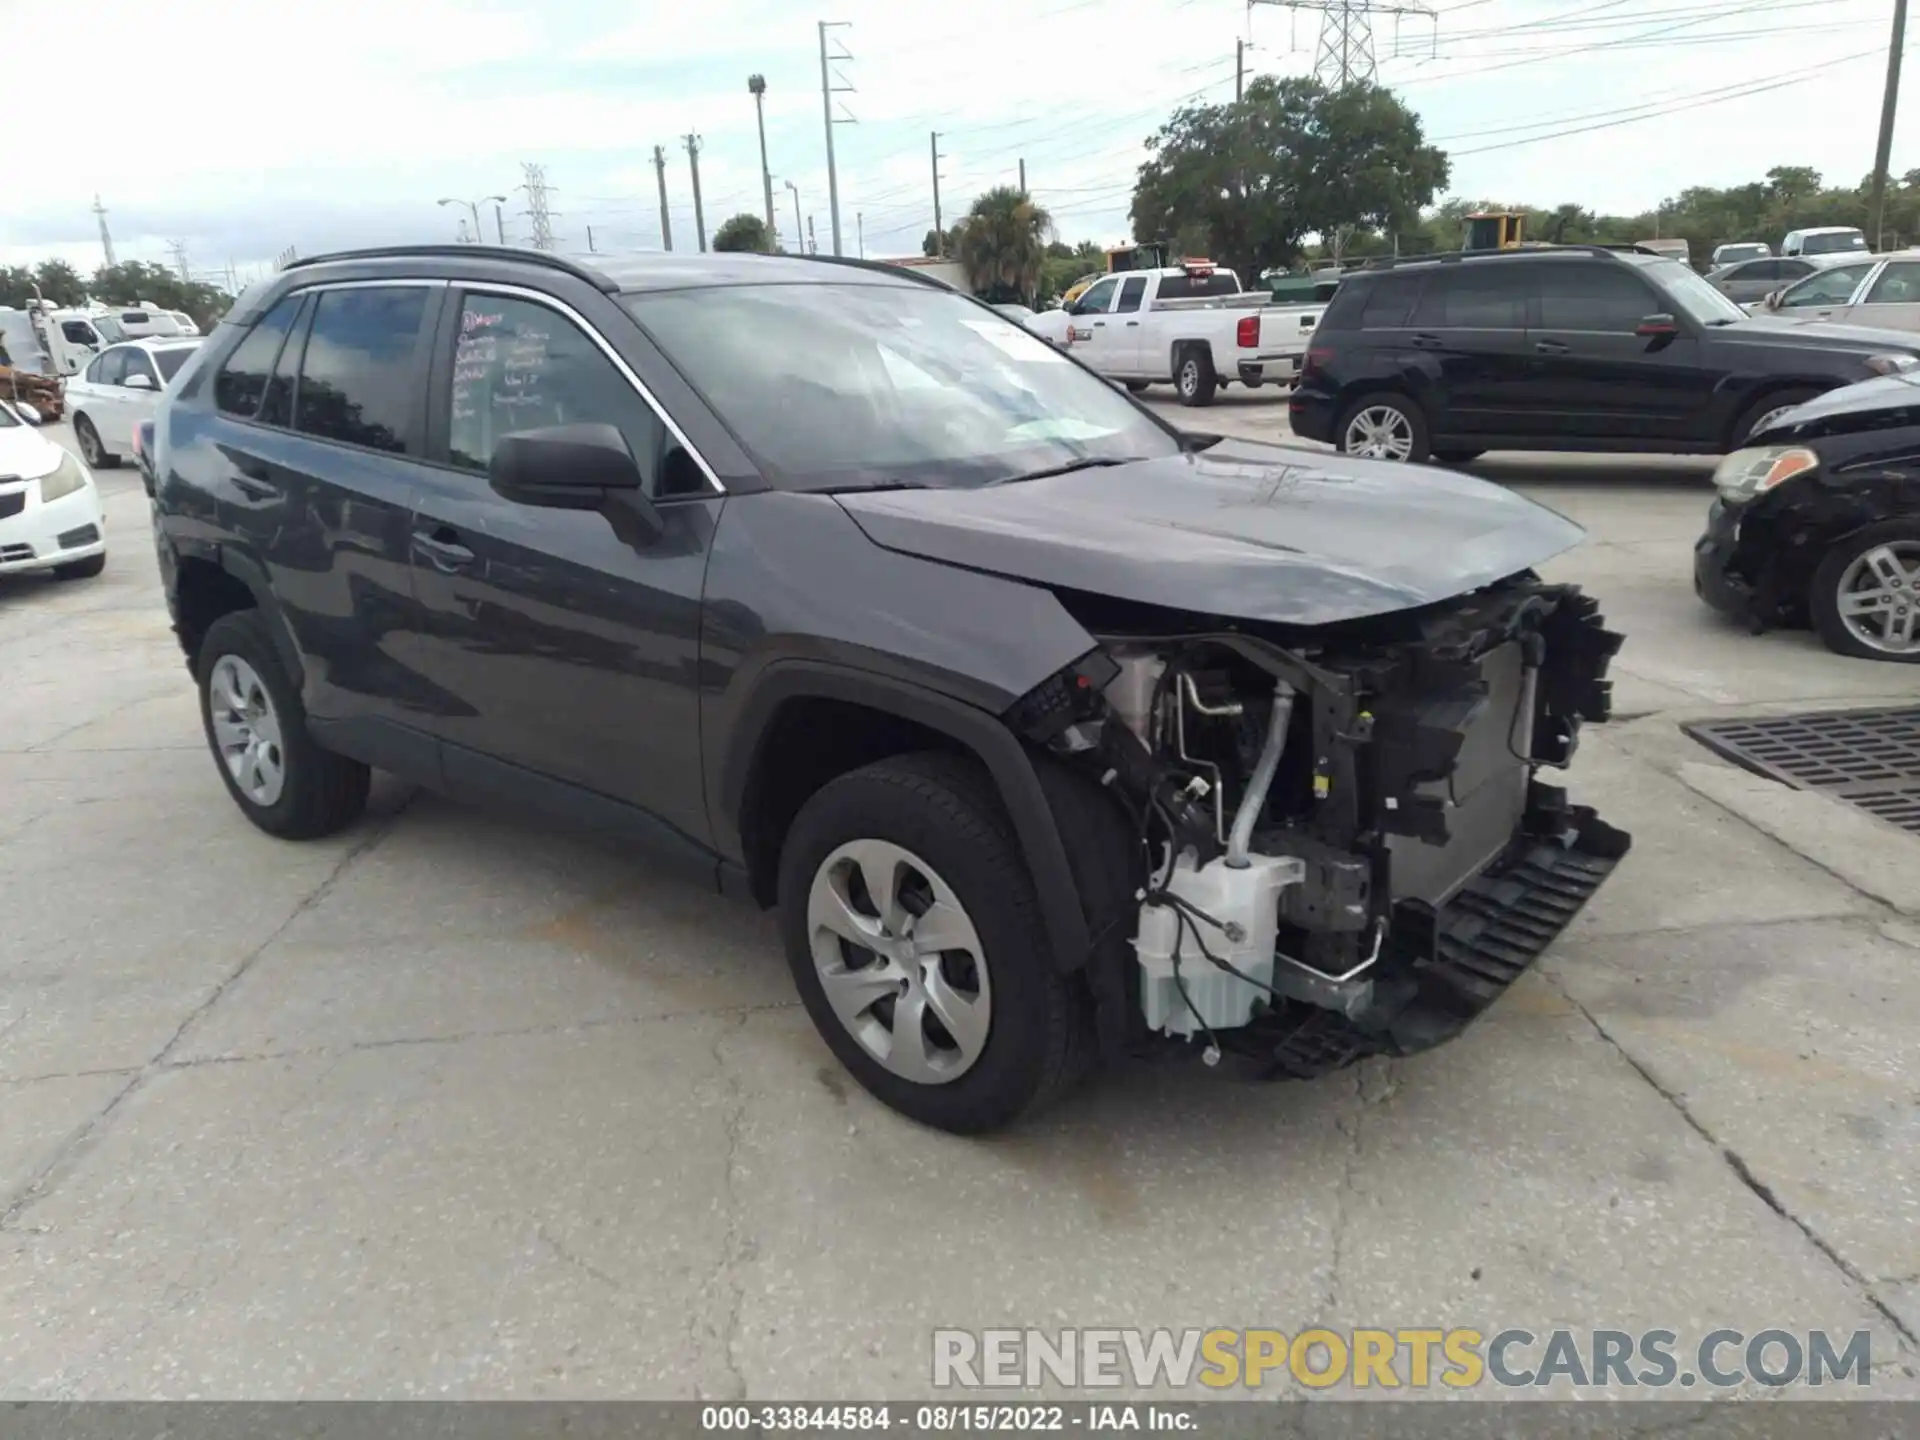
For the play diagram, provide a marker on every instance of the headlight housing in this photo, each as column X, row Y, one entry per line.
column 1891, row 364
column 1747, row 473
column 65, row 478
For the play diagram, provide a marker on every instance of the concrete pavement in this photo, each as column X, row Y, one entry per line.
column 454, row 1105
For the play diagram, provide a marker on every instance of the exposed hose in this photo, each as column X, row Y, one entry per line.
column 1255, row 800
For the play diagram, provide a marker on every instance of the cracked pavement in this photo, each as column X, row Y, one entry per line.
column 458, row 1105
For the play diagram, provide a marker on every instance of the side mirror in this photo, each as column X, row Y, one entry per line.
column 570, row 467
column 1772, row 302
column 1657, row 326
column 28, row 413
column 138, row 382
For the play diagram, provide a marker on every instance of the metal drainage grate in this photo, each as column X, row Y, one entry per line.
column 1869, row 758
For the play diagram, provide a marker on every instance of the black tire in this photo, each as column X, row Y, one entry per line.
column 1743, row 428
column 1415, row 417
column 323, row 793
column 81, row 569
column 1137, row 387
column 91, row 450
column 1823, row 596
column 1457, row 457
column 1193, row 376
column 943, row 809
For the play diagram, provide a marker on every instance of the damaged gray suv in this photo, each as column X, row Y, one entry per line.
column 1056, row 736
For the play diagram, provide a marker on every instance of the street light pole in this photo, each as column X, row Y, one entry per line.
column 757, row 86
column 799, row 231
column 473, row 209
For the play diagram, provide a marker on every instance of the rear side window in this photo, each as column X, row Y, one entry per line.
column 170, row 361
column 277, row 407
column 1477, row 297
column 1793, row 269
column 357, row 370
column 1899, row 284
column 111, row 367
column 243, row 379
column 1593, row 298
column 1189, row 287
column 1388, row 302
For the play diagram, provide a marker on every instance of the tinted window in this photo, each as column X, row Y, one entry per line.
column 1475, row 297
column 1099, row 296
column 1831, row 244
column 133, row 317
column 1593, row 297
column 1899, row 284
column 79, row 332
column 1187, row 287
column 1793, row 269
column 357, row 369
column 1387, row 302
column 277, row 407
column 1130, row 293
column 520, row 366
column 170, row 361
column 1757, row 270
column 242, row 380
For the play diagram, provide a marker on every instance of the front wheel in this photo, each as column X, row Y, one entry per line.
column 1765, row 411
column 1865, row 600
column 914, row 934
column 1383, row 427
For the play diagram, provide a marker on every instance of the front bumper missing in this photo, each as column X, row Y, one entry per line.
column 1441, row 968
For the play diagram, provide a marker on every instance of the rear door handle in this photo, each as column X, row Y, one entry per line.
column 252, row 479
column 442, row 546
column 1552, row 347
column 1425, row 342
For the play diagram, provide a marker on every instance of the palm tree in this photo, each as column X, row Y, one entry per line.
column 1003, row 245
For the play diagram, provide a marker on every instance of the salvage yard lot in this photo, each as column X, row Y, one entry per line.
column 458, row 1105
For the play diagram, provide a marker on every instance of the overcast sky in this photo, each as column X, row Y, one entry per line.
column 241, row 129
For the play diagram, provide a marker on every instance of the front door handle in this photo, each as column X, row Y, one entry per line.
column 1132, row 323
column 1425, row 342
column 442, row 546
column 1552, row 347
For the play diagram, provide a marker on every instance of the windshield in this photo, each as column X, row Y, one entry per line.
column 8, row 420
column 171, row 359
column 859, row 386
column 110, row 329
column 1691, row 294
column 1732, row 254
column 1834, row 243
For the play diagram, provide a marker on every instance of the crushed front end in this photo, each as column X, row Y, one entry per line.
column 1345, row 847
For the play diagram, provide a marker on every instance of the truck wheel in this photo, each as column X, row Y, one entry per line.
column 257, row 730
column 1383, row 427
column 1193, row 376
column 913, row 931
column 1136, row 387
column 1865, row 599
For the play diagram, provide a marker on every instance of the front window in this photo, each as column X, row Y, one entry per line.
column 1691, row 295
column 1828, row 287
column 861, row 386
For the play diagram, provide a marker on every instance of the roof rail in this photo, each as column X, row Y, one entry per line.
column 879, row 267
column 448, row 251
column 1454, row 257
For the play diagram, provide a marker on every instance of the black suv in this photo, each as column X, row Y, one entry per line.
column 1054, row 734
column 1560, row 348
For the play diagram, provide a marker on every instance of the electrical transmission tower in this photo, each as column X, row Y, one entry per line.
column 539, row 216
column 106, row 240
column 178, row 249
column 1345, row 54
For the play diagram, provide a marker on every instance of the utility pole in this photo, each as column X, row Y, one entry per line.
column 813, row 245
column 660, row 173
column 860, row 229
column 939, row 235
column 827, row 91
column 1023, row 176
column 106, row 240
column 799, row 232
column 538, row 215
column 699, row 216
column 757, row 85
column 590, row 249
column 499, row 224
column 1884, row 151
column 1345, row 55
column 1239, row 71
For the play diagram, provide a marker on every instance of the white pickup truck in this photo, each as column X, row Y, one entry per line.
column 1189, row 324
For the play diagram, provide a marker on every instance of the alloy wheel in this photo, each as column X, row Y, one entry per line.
column 1379, row 432
column 90, row 448
column 1190, row 378
column 900, row 961
column 1879, row 597
column 246, row 728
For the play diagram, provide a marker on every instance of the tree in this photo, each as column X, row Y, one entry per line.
column 1290, row 159
column 930, row 243
column 60, row 283
column 744, row 232
column 1003, row 245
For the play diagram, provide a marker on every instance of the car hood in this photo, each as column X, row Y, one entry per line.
column 1771, row 328
column 1866, row 397
column 1242, row 530
column 25, row 454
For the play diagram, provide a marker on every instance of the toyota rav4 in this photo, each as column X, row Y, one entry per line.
column 1056, row 735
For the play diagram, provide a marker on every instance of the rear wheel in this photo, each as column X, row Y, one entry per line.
column 1193, row 376
column 1383, row 427
column 1764, row 411
column 1865, row 600
column 1137, row 387
column 914, row 934
column 91, row 449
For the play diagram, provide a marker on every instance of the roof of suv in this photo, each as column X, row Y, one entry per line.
column 630, row 274
column 1626, row 254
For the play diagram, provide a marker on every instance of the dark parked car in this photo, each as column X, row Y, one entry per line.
column 1819, row 521
column 143, row 452
column 1561, row 348
column 1054, row 734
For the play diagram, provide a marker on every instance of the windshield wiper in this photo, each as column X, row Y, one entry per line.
column 1089, row 463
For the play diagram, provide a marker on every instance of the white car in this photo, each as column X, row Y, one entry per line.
column 118, row 389
column 50, row 517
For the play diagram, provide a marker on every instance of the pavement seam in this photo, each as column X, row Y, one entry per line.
column 732, row 1247
column 104, row 715
column 41, row 1184
column 1744, row 1173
